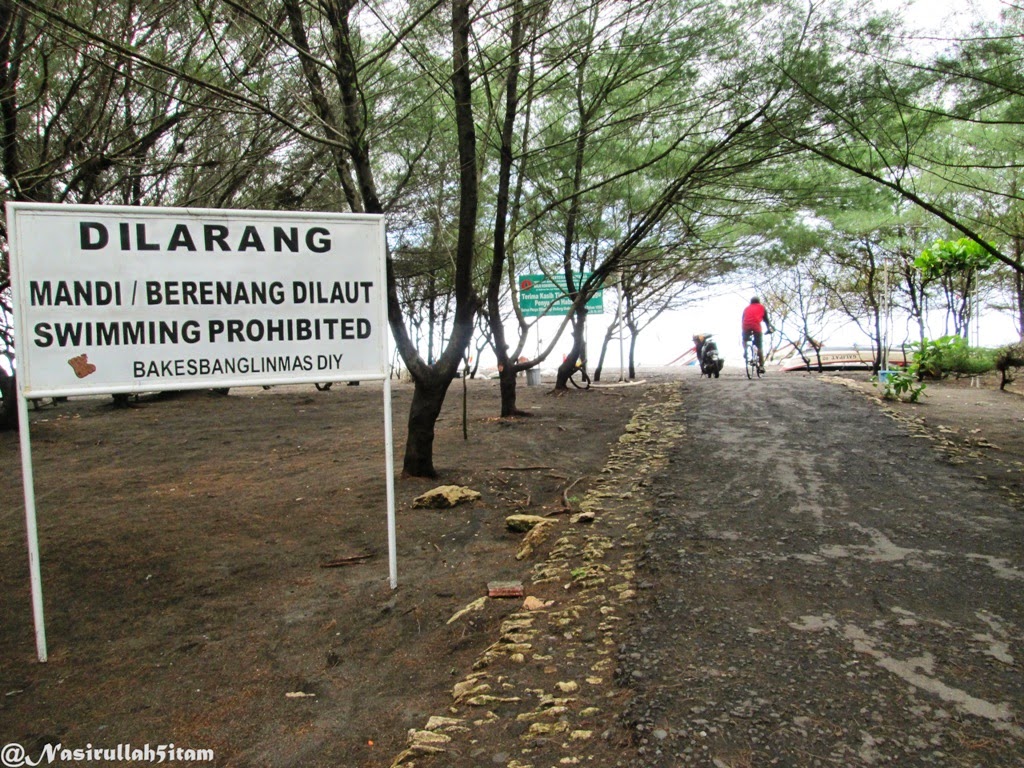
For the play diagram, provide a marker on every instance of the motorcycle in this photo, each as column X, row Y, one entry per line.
column 711, row 363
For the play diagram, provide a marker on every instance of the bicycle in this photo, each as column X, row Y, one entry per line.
column 751, row 359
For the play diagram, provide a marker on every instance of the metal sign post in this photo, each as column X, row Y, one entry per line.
column 622, row 332
column 389, row 469
column 31, row 530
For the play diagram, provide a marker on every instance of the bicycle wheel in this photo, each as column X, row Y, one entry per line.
column 750, row 358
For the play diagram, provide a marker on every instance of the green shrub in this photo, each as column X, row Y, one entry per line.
column 899, row 385
column 938, row 358
column 974, row 362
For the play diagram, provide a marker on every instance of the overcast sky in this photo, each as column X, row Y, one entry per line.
column 946, row 17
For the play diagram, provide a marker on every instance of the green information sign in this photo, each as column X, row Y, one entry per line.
column 543, row 295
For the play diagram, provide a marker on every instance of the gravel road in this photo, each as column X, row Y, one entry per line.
column 820, row 588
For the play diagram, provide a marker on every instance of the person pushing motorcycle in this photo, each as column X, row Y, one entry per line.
column 708, row 359
column 753, row 315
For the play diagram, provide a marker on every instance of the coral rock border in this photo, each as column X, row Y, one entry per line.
column 568, row 632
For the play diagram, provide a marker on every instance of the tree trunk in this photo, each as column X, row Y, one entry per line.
column 565, row 370
column 632, row 354
column 432, row 381
column 507, row 385
column 427, row 399
column 1019, row 283
column 8, row 401
column 577, row 353
column 634, row 334
column 604, row 350
column 431, row 318
column 503, row 203
column 881, row 353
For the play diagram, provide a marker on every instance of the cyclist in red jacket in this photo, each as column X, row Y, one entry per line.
column 753, row 316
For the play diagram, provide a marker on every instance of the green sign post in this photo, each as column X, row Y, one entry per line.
column 541, row 295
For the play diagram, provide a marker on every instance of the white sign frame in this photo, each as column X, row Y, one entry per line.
column 167, row 298
column 127, row 299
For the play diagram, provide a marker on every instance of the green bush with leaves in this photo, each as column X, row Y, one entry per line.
column 950, row 257
column 938, row 358
column 901, row 384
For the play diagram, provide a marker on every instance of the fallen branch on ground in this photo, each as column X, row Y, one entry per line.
column 565, row 494
column 342, row 561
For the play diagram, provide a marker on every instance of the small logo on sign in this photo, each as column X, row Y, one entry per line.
column 525, row 285
column 81, row 366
